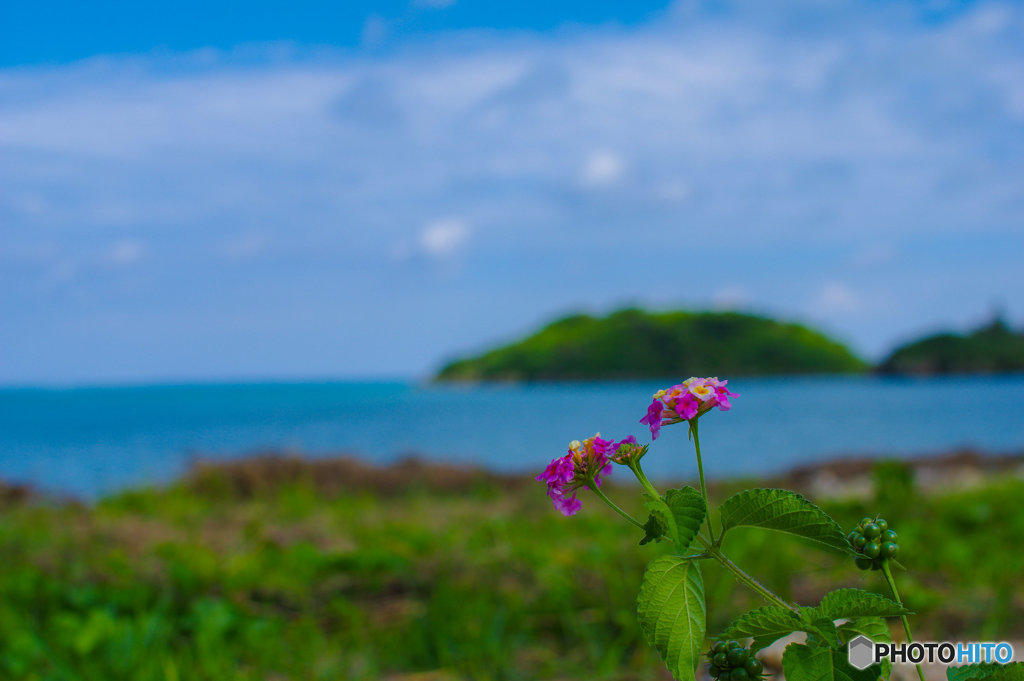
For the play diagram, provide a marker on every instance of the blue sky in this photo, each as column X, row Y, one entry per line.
column 262, row 190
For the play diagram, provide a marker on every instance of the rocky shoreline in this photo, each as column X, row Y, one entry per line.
column 839, row 477
column 262, row 472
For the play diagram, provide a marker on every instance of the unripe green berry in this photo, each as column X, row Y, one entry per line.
column 738, row 674
column 862, row 562
column 754, row 667
column 871, row 549
column 889, row 550
column 714, row 671
column 721, row 660
column 737, row 657
column 864, row 521
column 720, row 647
column 859, row 541
column 734, row 644
column 872, row 531
column 888, row 535
column 882, row 523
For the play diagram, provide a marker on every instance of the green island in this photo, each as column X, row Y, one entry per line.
column 632, row 343
column 333, row 569
column 992, row 348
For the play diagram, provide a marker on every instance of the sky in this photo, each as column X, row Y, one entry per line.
column 269, row 190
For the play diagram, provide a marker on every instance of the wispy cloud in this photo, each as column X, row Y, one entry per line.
column 602, row 168
column 125, row 252
column 444, row 237
column 685, row 161
column 836, row 297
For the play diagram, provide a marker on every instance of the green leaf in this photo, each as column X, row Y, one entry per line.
column 765, row 625
column 850, row 603
column 672, row 612
column 678, row 516
column 656, row 526
column 820, row 663
column 874, row 628
column 785, row 511
column 688, row 511
column 770, row 623
column 660, row 524
column 987, row 671
column 819, row 628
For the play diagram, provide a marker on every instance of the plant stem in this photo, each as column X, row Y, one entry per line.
column 742, row 576
column 644, row 482
column 712, row 551
column 703, row 486
column 896, row 595
column 597, row 490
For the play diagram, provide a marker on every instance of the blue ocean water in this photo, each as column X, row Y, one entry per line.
column 88, row 441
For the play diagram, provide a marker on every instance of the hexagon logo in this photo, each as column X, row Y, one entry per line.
column 861, row 652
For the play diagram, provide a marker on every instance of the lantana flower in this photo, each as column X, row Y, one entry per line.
column 627, row 451
column 685, row 401
column 582, row 466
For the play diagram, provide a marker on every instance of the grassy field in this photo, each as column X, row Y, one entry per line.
column 278, row 571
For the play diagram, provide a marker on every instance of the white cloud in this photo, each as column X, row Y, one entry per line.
column 604, row 158
column 990, row 19
column 835, row 297
column 602, row 168
column 777, row 135
column 731, row 297
column 444, row 237
column 125, row 252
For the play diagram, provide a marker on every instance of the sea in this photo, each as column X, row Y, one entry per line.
column 90, row 441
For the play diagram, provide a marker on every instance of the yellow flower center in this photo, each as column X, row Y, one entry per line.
column 702, row 392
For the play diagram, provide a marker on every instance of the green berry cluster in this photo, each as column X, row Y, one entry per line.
column 874, row 542
column 730, row 661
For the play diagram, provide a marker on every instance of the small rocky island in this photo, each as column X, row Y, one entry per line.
column 989, row 349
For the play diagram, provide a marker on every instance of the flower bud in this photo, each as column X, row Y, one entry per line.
column 628, row 451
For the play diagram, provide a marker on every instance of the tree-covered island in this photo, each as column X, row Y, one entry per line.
column 632, row 343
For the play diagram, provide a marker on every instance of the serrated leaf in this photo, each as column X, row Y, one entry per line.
column 819, row 628
column 678, row 516
column 655, row 527
column 688, row 510
column 987, row 671
column 850, row 603
column 765, row 625
column 672, row 613
column 820, row 663
column 875, row 628
column 784, row 511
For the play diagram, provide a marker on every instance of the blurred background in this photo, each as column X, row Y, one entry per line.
column 298, row 297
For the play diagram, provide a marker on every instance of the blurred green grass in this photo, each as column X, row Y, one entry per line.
column 201, row 581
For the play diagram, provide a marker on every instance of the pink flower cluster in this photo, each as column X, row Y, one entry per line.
column 684, row 401
column 583, row 465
